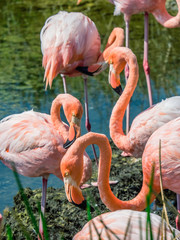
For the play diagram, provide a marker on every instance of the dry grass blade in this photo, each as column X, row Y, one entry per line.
column 164, row 212
column 108, row 229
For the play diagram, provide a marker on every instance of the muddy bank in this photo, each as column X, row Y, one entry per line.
column 64, row 219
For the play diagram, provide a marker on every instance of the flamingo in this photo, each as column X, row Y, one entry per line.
column 119, row 60
column 158, row 9
column 169, row 135
column 70, row 45
column 146, row 122
column 113, row 225
column 34, row 142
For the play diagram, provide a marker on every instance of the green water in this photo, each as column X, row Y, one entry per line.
column 21, row 73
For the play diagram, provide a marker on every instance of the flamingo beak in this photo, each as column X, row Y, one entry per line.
column 74, row 131
column 114, row 80
column 94, row 69
column 73, row 192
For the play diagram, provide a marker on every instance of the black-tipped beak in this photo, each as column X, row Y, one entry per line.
column 118, row 90
column 99, row 68
column 68, row 143
column 83, row 206
column 85, row 71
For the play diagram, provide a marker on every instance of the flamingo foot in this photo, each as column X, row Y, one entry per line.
column 84, row 186
column 95, row 184
column 126, row 154
column 178, row 221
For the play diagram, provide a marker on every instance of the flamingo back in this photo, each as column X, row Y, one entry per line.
column 169, row 136
column 67, row 41
column 150, row 120
column 29, row 141
column 116, row 225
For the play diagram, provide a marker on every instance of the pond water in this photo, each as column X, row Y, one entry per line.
column 21, row 73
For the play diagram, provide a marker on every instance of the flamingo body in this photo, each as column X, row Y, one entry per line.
column 68, row 40
column 30, row 141
column 169, row 134
column 149, row 121
column 33, row 141
column 117, row 222
column 156, row 7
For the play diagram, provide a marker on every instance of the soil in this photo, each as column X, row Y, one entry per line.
column 63, row 219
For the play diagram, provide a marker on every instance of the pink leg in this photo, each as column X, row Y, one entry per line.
column 145, row 61
column 43, row 204
column 126, row 76
column 1, row 218
column 88, row 125
column 178, row 208
column 64, row 83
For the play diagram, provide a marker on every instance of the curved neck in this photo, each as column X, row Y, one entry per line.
column 107, row 196
column 55, row 114
column 165, row 19
column 116, row 39
column 116, row 120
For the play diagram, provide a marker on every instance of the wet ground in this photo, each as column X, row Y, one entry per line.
column 63, row 219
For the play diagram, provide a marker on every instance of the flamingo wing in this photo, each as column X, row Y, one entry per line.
column 150, row 120
column 68, row 40
column 28, row 140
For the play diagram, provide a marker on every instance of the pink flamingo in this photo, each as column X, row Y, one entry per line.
column 158, row 9
column 113, row 225
column 146, row 122
column 70, row 45
column 34, row 142
column 125, row 55
column 169, row 135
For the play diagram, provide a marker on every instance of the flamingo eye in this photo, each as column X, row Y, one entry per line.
column 66, row 174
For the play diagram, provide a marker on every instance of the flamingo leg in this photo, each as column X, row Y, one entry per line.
column 43, row 204
column 126, row 76
column 64, row 83
column 145, row 61
column 88, row 125
column 1, row 218
column 178, row 208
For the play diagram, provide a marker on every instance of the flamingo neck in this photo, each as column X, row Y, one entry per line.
column 107, row 196
column 116, row 121
column 55, row 115
column 165, row 19
column 116, row 39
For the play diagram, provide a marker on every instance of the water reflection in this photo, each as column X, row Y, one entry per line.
column 21, row 72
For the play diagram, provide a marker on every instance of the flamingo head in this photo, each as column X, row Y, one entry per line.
column 78, row 2
column 117, row 64
column 72, row 170
column 73, row 112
